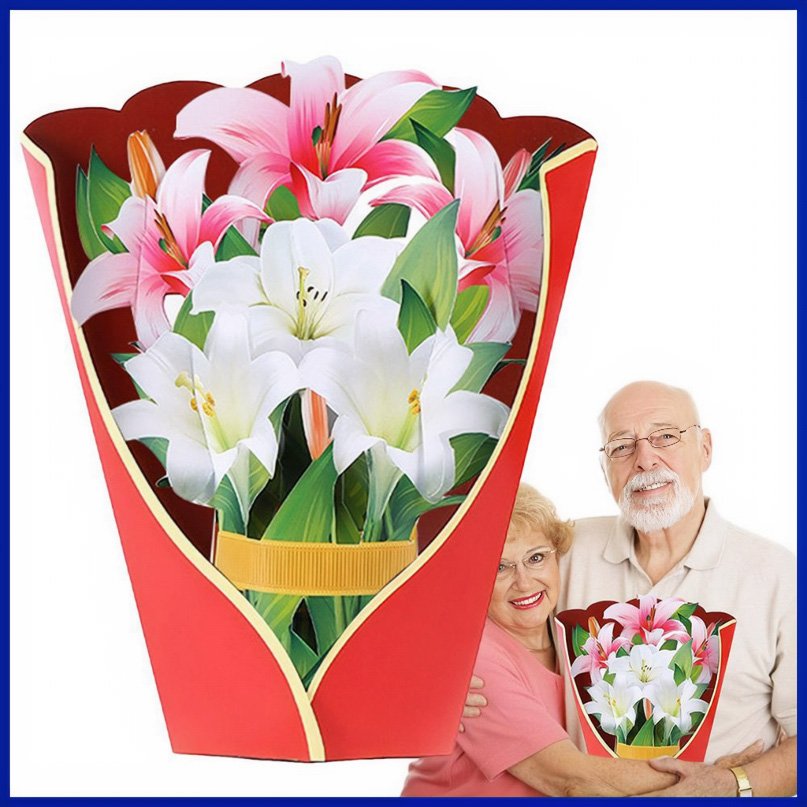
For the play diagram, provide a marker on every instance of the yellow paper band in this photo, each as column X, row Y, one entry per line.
column 293, row 567
column 645, row 751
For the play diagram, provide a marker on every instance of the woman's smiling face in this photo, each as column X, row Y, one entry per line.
column 523, row 599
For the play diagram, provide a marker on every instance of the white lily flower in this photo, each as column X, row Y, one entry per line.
column 674, row 704
column 644, row 665
column 213, row 407
column 614, row 704
column 306, row 288
column 400, row 407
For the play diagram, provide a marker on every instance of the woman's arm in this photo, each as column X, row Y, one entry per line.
column 561, row 770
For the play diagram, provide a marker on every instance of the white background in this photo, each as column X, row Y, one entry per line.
column 685, row 271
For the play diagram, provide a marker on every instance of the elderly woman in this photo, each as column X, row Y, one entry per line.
column 518, row 746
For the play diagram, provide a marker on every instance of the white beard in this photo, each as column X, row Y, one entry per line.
column 661, row 512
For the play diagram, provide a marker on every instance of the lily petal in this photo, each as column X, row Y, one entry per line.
column 391, row 158
column 313, row 85
column 179, row 197
column 230, row 285
column 371, row 107
column 107, row 282
column 224, row 212
column 515, row 170
column 427, row 198
column 242, row 121
column 331, row 198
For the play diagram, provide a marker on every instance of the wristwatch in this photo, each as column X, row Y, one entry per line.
column 743, row 783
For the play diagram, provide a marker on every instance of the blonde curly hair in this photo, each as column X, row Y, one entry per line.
column 533, row 511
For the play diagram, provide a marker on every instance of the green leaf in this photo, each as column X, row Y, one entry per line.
column 158, row 446
column 697, row 717
column 258, row 477
column 486, row 357
column 415, row 321
column 225, row 500
column 438, row 110
column 351, row 497
column 637, row 639
column 122, row 358
column 622, row 652
column 670, row 644
column 441, row 151
column 531, row 180
column 162, row 482
column 90, row 241
column 233, row 245
column 330, row 615
column 504, row 362
column 645, row 734
column 302, row 656
column 471, row 454
column 106, row 192
column 194, row 327
column 406, row 506
column 609, row 678
column 307, row 514
column 277, row 611
column 674, row 736
column 685, row 610
column 679, row 676
column 683, row 658
column 293, row 458
column 429, row 264
column 579, row 637
column 468, row 310
column 388, row 221
column 282, row 205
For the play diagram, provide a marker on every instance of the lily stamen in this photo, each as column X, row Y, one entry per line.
column 487, row 233
column 170, row 245
column 325, row 143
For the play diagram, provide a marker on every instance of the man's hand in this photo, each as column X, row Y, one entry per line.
column 474, row 700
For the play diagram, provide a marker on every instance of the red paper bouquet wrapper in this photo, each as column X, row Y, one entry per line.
column 394, row 683
column 601, row 744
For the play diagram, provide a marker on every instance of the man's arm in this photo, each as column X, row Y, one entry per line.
column 772, row 774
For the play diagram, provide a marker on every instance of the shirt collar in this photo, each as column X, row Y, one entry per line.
column 705, row 553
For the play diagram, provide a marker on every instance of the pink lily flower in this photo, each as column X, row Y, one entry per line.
column 598, row 649
column 169, row 241
column 705, row 649
column 326, row 146
column 651, row 619
column 500, row 228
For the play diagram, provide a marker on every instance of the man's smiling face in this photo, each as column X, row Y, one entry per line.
column 655, row 487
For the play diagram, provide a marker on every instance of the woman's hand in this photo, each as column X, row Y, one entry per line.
column 474, row 701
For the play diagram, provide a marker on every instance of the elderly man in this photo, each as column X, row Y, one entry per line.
column 670, row 541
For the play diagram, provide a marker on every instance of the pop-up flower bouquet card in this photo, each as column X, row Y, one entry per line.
column 312, row 319
column 646, row 675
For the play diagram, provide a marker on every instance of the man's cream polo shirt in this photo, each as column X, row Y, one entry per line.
column 729, row 570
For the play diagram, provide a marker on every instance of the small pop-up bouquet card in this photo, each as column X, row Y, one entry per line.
column 646, row 675
column 312, row 319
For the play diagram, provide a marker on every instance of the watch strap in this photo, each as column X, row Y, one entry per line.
column 743, row 783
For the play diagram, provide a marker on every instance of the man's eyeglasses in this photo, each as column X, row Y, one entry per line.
column 661, row 438
column 533, row 562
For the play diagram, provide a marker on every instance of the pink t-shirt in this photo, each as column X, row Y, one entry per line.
column 524, row 715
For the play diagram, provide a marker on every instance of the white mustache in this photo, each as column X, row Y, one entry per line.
column 645, row 478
